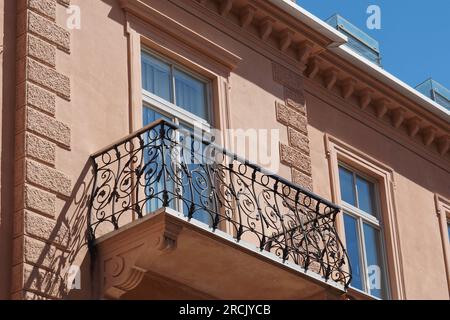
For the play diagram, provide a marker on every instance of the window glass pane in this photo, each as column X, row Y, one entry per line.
column 191, row 94
column 156, row 77
column 365, row 195
column 353, row 250
column 152, row 166
column 196, row 180
column 375, row 272
column 347, row 186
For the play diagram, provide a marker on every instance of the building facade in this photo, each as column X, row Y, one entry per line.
column 111, row 185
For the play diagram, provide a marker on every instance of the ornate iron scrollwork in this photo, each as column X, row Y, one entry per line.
column 163, row 165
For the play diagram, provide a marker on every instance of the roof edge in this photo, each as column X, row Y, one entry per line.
column 338, row 40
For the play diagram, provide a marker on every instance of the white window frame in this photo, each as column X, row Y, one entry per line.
column 170, row 109
column 177, row 114
column 375, row 221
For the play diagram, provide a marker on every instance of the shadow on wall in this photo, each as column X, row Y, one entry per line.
column 7, row 115
column 71, row 261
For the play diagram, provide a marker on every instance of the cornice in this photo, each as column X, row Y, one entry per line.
column 388, row 107
column 400, row 135
column 266, row 23
column 293, row 41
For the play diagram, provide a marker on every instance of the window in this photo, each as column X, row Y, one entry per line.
column 363, row 232
column 175, row 94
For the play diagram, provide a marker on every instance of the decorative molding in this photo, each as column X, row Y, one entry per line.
column 315, row 60
column 399, row 113
column 365, row 98
column 286, row 39
column 443, row 215
column 225, row 7
column 305, row 49
column 247, row 15
column 330, row 77
column 151, row 16
column 340, row 151
column 266, row 27
column 270, row 25
column 125, row 257
column 398, row 117
column 381, row 107
column 369, row 119
column 348, row 88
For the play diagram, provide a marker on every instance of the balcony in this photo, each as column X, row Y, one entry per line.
column 175, row 216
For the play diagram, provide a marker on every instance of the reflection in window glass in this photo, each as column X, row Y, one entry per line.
column 347, row 186
column 156, row 77
column 352, row 241
column 374, row 263
column 190, row 94
column 363, row 233
column 365, row 195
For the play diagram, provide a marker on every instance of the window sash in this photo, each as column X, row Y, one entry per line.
column 375, row 222
column 375, row 194
column 175, row 70
column 172, row 111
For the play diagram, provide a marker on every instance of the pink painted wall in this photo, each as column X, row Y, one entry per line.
column 99, row 114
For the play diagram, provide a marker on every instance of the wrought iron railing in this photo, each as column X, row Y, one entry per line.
column 163, row 165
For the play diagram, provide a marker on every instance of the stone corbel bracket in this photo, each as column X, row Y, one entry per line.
column 126, row 255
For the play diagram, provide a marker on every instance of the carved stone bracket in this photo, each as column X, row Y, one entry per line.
column 125, row 258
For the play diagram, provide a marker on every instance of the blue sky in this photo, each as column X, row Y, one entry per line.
column 414, row 35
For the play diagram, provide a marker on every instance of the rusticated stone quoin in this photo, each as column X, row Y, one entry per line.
column 40, row 227
column 35, row 199
column 48, row 178
column 30, row 145
column 39, row 240
column 37, row 252
column 48, row 78
column 40, row 149
column 37, row 48
column 49, row 127
column 295, row 158
column 39, row 200
column 302, row 179
column 44, row 7
column 293, row 114
column 44, row 28
column 33, row 278
column 291, row 118
column 295, row 100
column 298, row 140
column 29, row 94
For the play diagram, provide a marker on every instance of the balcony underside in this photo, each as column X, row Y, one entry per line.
column 164, row 256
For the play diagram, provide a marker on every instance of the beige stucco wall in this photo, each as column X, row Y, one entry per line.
column 417, row 180
column 98, row 113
